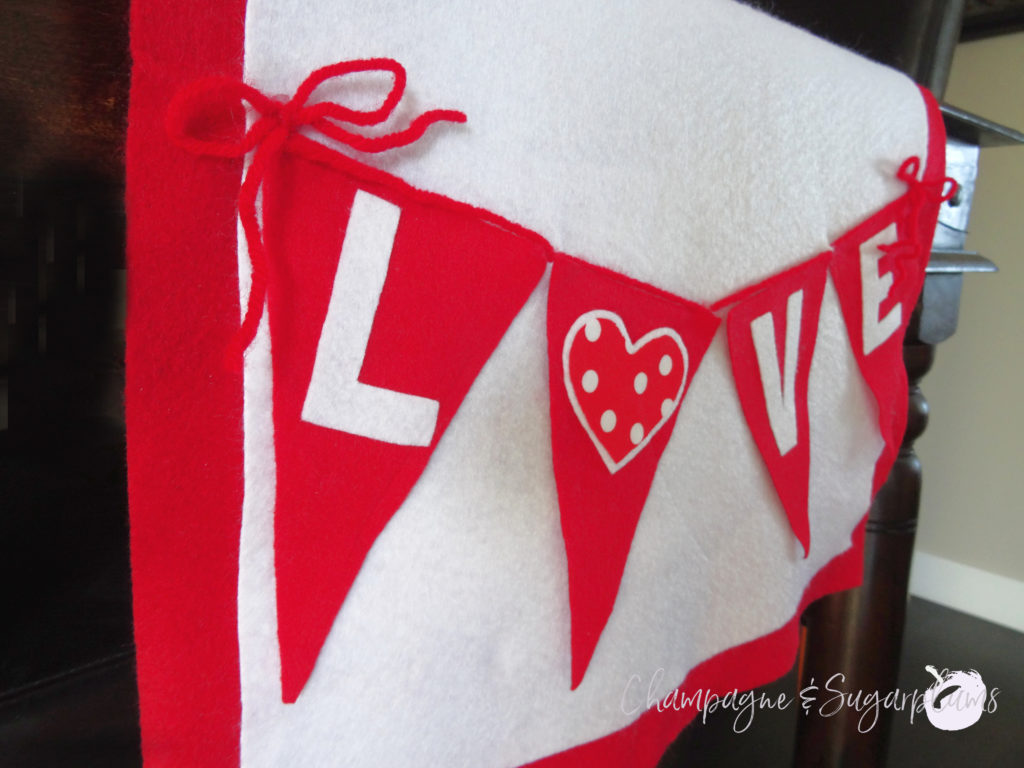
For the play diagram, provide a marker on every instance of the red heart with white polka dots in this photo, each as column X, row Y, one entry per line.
column 622, row 391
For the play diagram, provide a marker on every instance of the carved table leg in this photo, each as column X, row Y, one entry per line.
column 859, row 633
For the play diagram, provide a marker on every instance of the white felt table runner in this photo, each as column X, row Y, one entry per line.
column 698, row 146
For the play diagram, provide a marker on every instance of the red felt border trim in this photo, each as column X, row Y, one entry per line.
column 764, row 659
column 934, row 172
column 183, row 409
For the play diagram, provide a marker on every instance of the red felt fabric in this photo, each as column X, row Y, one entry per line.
column 914, row 215
column 183, row 410
column 766, row 658
column 635, row 397
column 789, row 470
column 454, row 284
column 188, row 123
column 600, row 508
column 184, row 415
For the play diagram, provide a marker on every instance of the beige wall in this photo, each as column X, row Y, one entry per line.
column 972, row 511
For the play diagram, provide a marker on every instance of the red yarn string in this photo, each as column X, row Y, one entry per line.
column 920, row 192
column 267, row 136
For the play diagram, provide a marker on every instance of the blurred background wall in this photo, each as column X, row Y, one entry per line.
column 970, row 541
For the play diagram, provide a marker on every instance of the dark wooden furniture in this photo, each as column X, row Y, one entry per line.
column 67, row 694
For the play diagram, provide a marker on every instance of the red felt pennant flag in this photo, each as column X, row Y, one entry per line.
column 772, row 335
column 384, row 306
column 878, row 271
column 621, row 355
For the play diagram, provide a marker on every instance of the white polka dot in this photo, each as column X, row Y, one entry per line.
column 589, row 381
column 640, row 383
column 665, row 365
column 592, row 330
column 636, row 434
column 667, row 406
column 608, row 421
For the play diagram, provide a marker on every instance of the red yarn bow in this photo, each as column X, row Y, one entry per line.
column 268, row 134
column 921, row 191
column 938, row 190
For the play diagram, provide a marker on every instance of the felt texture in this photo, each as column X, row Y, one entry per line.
column 605, row 131
column 740, row 668
column 192, row 123
column 183, row 410
column 620, row 357
column 459, row 619
column 383, row 308
column 771, row 344
column 878, row 267
column 336, row 398
column 479, row 604
column 458, row 625
column 622, row 391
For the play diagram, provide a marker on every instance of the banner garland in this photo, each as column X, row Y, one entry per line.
column 772, row 335
column 359, row 379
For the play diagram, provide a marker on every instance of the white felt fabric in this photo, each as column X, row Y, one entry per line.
column 336, row 398
column 695, row 145
column 779, row 388
column 875, row 328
